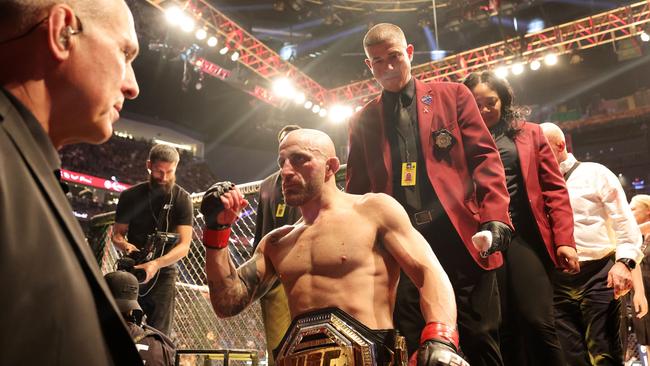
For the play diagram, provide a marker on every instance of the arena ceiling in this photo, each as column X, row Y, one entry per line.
column 325, row 42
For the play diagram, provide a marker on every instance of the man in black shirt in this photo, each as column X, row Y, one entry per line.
column 156, row 206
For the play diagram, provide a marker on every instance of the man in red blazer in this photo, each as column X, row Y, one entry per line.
column 426, row 145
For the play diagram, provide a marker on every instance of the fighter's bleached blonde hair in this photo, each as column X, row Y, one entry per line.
column 17, row 16
column 552, row 132
column 383, row 32
column 642, row 199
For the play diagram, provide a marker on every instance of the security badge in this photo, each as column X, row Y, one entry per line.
column 279, row 210
column 408, row 174
column 443, row 140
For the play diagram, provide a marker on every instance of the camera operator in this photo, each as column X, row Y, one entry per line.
column 148, row 213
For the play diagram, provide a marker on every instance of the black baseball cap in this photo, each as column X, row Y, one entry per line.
column 124, row 287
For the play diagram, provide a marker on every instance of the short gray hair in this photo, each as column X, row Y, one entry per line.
column 383, row 32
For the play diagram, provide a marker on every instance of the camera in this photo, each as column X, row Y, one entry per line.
column 157, row 244
column 126, row 264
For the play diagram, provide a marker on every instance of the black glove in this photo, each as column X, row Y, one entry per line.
column 211, row 204
column 434, row 353
column 501, row 235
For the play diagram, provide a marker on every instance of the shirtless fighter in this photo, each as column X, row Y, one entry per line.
column 340, row 263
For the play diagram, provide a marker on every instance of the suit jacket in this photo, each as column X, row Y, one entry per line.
column 546, row 189
column 56, row 307
column 468, row 179
column 269, row 197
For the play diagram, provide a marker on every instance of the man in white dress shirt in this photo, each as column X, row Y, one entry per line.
column 608, row 242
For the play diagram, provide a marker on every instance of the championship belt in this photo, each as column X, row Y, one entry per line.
column 331, row 337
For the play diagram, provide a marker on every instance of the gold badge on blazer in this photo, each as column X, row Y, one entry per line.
column 443, row 140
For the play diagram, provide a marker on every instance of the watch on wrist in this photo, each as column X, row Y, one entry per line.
column 629, row 263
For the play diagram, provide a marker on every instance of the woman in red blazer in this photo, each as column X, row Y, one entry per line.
column 543, row 221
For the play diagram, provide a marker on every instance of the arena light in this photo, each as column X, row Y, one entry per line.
column 224, row 50
column 299, row 98
column 283, row 88
column 323, row 112
column 358, row 108
column 339, row 113
column 201, row 34
column 308, row 104
column 645, row 37
column 212, row 41
column 187, row 23
column 315, row 108
column 550, row 59
column 535, row 65
column 235, row 56
column 518, row 68
column 172, row 144
column 501, row 72
column 174, row 15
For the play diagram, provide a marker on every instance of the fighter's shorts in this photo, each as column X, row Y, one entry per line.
column 331, row 337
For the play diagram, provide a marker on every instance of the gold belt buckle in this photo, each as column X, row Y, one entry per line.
column 423, row 217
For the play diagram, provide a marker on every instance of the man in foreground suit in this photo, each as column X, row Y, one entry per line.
column 345, row 253
column 64, row 75
column 426, row 145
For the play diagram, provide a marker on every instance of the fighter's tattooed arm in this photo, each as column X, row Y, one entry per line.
column 232, row 293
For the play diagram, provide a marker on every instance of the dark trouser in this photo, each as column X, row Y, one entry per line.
column 477, row 301
column 528, row 333
column 588, row 317
column 157, row 299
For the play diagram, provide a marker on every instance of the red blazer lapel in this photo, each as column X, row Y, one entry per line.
column 523, row 143
column 423, row 93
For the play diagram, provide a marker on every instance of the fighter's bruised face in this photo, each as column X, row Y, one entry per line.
column 390, row 63
column 162, row 175
column 489, row 104
column 302, row 168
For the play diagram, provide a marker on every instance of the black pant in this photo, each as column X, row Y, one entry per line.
column 528, row 333
column 588, row 317
column 477, row 300
column 157, row 299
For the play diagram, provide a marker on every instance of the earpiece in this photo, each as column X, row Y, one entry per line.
column 65, row 36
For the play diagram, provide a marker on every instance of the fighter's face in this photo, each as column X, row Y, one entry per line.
column 390, row 64
column 489, row 104
column 100, row 75
column 302, row 171
column 162, row 174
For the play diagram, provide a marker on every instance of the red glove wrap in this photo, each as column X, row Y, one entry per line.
column 440, row 332
column 216, row 239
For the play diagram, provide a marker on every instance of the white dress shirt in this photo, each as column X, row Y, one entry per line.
column 604, row 222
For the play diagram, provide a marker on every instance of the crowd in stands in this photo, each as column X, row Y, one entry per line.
column 124, row 160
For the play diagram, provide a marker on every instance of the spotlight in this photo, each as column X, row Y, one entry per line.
column 198, row 85
column 174, row 15
column 284, row 88
column 645, row 37
column 308, row 104
column 201, row 34
column 358, row 108
column 518, row 68
column 300, row 98
column 187, row 24
column 323, row 112
column 235, row 56
column 315, row 108
column 535, row 65
column 501, row 72
column 224, row 50
column 212, row 41
column 339, row 113
column 550, row 59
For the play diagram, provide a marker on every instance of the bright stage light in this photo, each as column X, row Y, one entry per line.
column 308, row 104
column 212, row 41
column 235, row 56
column 518, row 68
column 550, row 59
column 201, row 34
column 284, row 88
column 501, row 72
column 315, row 108
column 187, row 24
column 174, row 15
column 323, row 112
column 535, row 65
column 645, row 37
column 339, row 113
column 358, row 108
column 299, row 98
